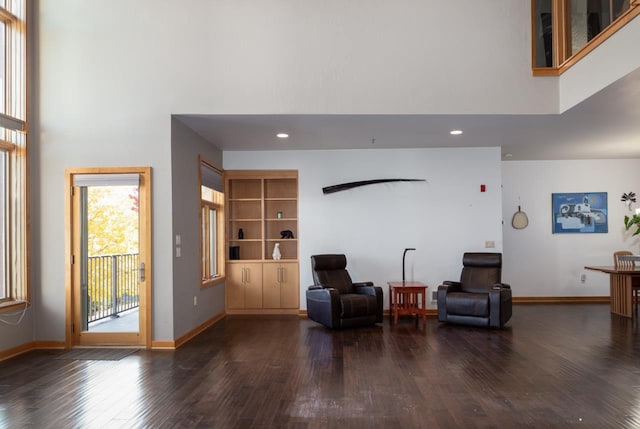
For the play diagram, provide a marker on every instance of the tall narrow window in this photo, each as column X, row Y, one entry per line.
column 3, row 63
column 213, row 239
column 4, row 280
column 13, row 154
column 13, row 240
column 212, row 224
column 209, row 242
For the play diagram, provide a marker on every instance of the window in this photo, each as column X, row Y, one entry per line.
column 212, row 224
column 209, row 241
column 4, row 281
column 13, row 154
column 564, row 31
column 3, row 55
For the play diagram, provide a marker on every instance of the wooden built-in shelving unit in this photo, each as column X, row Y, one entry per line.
column 262, row 203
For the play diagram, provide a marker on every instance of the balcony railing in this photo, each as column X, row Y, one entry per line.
column 112, row 285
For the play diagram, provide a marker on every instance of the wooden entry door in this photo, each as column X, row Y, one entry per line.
column 108, row 256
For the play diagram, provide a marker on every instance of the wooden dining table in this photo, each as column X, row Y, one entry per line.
column 619, row 288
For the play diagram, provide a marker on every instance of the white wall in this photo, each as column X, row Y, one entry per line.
column 283, row 56
column 441, row 218
column 94, row 107
column 539, row 263
column 13, row 334
column 185, row 148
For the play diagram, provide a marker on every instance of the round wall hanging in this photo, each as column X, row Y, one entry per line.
column 520, row 219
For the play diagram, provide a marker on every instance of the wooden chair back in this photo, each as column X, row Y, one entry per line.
column 622, row 264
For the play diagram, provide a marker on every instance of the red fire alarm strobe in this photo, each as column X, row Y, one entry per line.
column 483, row 188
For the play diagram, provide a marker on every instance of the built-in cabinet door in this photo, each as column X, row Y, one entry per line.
column 289, row 285
column 244, row 286
column 281, row 285
column 271, row 287
column 235, row 286
column 253, row 285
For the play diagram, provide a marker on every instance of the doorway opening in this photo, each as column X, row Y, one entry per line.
column 109, row 262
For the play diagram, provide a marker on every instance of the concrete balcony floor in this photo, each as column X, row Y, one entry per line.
column 126, row 322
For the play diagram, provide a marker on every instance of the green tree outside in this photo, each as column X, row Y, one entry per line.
column 112, row 220
column 112, row 223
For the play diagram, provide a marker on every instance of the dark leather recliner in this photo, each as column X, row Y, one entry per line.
column 335, row 301
column 479, row 298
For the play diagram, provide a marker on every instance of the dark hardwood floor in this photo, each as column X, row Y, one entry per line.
column 555, row 366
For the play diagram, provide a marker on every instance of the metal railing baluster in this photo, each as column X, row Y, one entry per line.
column 112, row 285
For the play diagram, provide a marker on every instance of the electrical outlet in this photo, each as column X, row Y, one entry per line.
column 583, row 278
column 434, row 295
column 195, row 301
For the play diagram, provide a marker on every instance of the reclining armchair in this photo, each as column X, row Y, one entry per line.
column 479, row 298
column 335, row 301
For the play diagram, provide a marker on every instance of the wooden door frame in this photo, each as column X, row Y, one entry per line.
column 144, row 248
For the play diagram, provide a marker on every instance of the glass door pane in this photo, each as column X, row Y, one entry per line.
column 110, row 258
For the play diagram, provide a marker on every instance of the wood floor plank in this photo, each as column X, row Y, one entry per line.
column 555, row 366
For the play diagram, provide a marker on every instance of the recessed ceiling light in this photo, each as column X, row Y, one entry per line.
column 455, row 132
column 282, row 135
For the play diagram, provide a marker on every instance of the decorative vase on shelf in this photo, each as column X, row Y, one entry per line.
column 240, row 234
column 276, row 252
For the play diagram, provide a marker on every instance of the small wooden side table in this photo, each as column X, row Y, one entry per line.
column 403, row 299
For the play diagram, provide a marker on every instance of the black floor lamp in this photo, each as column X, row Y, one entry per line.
column 403, row 255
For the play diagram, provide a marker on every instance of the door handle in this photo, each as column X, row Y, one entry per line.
column 142, row 272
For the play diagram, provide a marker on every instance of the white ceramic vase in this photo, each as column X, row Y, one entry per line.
column 276, row 252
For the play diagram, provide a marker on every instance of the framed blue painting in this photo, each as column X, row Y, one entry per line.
column 580, row 212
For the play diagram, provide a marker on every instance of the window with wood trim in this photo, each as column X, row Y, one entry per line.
column 14, row 285
column 210, row 233
column 564, row 31
column 5, row 153
column 211, row 224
